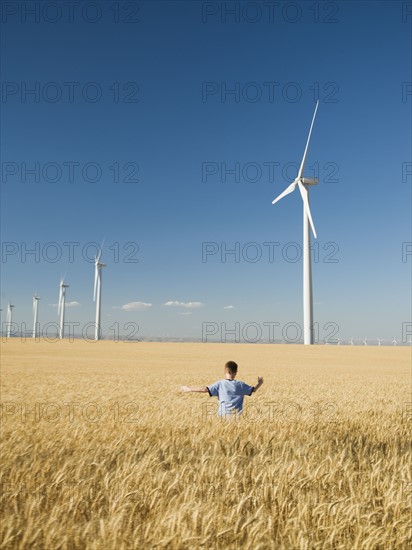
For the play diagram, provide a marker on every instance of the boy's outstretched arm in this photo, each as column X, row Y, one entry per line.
column 201, row 389
column 260, row 382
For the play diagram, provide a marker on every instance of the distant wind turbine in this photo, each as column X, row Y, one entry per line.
column 62, row 306
column 9, row 319
column 351, row 341
column 303, row 184
column 97, row 293
column 394, row 341
column 379, row 342
column 365, row 343
column 35, row 314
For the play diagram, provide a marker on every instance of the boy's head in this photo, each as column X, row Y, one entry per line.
column 231, row 368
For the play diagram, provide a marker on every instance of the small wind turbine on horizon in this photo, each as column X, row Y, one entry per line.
column 394, row 341
column 35, row 314
column 351, row 341
column 303, row 184
column 365, row 342
column 97, row 293
column 9, row 318
column 62, row 306
column 379, row 341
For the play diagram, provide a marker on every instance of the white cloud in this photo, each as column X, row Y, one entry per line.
column 134, row 306
column 68, row 304
column 229, row 307
column 187, row 305
column 184, row 312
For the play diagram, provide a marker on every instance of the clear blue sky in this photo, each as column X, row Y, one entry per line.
column 164, row 115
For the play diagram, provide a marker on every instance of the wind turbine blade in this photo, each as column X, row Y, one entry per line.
column 96, row 274
column 304, row 193
column 100, row 251
column 302, row 166
column 286, row 192
column 60, row 298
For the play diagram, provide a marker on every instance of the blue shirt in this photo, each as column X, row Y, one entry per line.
column 230, row 394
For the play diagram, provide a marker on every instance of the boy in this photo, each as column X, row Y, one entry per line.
column 229, row 391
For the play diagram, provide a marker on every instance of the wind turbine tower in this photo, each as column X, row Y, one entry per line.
column 9, row 319
column 97, row 294
column 35, row 315
column 303, row 184
column 61, row 307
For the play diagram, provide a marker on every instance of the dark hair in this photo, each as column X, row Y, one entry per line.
column 231, row 367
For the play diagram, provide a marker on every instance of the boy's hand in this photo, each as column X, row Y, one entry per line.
column 260, row 382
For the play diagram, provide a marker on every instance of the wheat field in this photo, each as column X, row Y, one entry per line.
column 100, row 449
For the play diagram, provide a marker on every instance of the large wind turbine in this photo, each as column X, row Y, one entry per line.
column 9, row 319
column 35, row 314
column 97, row 293
column 62, row 306
column 303, row 184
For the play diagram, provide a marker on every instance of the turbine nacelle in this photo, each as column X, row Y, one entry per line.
column 309, row 181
